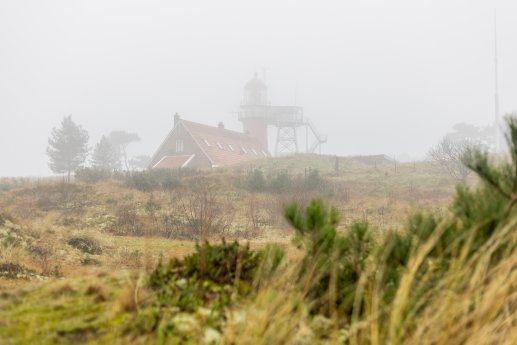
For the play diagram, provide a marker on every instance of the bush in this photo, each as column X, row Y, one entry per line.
column 280, row 183
column 206, row 213
column 10, row 270
column 89, row 261
column 44, row 255
column 223, row 264
column 313, row 180
column 213, row 277
column 316, row 234
column 86, row 244
column 310, row 183
column 8, row 183
column 142, row 181
column 92, row 175
column 128, row 222
column 256, row 181
column 154, row 179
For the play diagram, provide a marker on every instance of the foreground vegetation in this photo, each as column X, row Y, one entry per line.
column 441, row 276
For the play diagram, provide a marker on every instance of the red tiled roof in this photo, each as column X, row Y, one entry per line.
column 171, row 162
column 225, row 147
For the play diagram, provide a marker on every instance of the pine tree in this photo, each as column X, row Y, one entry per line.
column 67, row 147
column 105, row 156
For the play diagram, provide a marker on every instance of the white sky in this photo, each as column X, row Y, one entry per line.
column 375, row 76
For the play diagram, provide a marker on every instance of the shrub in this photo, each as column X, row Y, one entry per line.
column 205, row 212
column 129, row 258
column 316, row 234
column 11, row 240
column 92, row 175
column 154, row 179
column 10, row 270
column 280, row 183
column 256, row 181
column 8, row 183
column 89, row 261
column 212, row 277
column 43, row 254
column 208, row 276
column 151, row 206
column 142, row 181
column 97, row 291
column 127, row 222
column 86, row 244
column 313, row 179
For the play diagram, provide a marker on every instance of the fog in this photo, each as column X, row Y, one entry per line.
column 381, row 76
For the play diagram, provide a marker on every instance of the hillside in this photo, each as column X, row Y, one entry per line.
column 139, row 218
column 79, row 261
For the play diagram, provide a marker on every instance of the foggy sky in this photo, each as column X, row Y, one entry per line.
column 381, row 76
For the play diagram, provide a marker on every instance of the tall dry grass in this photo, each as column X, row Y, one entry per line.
column 474, row 301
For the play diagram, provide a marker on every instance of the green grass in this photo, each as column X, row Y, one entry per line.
column 62, row 312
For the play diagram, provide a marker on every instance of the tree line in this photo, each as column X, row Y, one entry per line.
column 68, row 150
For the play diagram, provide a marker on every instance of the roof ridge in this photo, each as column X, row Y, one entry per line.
column 229, row 131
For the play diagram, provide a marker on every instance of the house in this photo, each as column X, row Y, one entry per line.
column 194, row 145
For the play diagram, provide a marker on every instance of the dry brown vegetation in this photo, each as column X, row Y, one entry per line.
column 59, row 229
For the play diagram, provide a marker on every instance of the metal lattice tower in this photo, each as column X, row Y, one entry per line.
column 257, row 115
column 286, row 140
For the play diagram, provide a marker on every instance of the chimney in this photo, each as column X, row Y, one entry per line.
column 220, row 125
column 176, row 119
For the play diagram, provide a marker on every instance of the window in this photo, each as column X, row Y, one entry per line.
column 231, row 147
column 220, row 146
column 254, row 152
column 206, row 142
column 243, row 150
column 264, row 153
column 179, row 146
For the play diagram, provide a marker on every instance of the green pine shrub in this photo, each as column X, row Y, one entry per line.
column 256, row 181
column 207, row 281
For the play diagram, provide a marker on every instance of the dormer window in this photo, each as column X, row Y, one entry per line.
column 206, row 142
column 231, row 147
column 220, row 146
column 244, row 150
column 254, row 152
column 264, row 153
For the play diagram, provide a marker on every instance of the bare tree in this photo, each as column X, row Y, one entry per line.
column 450, row 155
column 121, row 140
column 206, row 213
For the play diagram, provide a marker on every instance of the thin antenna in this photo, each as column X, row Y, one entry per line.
column 496, row 87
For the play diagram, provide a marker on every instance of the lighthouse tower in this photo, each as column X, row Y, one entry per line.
column 254, row 110
column 256, row 115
